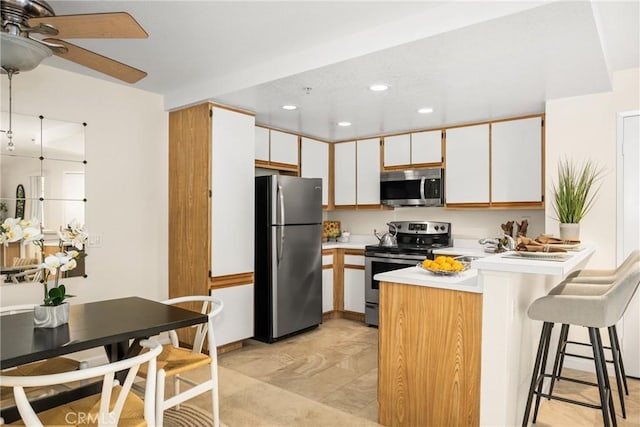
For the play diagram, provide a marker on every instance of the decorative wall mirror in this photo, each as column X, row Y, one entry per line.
column 42, row 175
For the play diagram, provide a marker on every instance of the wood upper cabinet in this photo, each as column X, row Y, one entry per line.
column 284, row 148
column 397, row 150
column 368, row 172
column 516, row 161
column 344, row 191
column 418, row 149
column 275, row 149
column 426, row 147
column 262, row 143
column 467, row 165
column 314, row 163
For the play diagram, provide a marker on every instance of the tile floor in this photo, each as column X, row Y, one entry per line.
column 328, row 377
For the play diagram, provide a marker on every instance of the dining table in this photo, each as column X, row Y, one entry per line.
column 117, row 325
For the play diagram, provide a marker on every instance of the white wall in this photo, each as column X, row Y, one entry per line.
column 584, row 127
column 126, row 180
column 467, row 224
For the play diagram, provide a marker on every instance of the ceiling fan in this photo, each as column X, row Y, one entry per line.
column 31, row 32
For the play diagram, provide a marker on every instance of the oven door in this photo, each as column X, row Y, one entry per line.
column 381, row 264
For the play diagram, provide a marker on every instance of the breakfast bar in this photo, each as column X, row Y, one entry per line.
column 459, row 349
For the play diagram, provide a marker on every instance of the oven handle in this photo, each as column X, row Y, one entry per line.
column 395, row 258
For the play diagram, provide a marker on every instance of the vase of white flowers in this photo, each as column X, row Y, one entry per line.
column 54, row 311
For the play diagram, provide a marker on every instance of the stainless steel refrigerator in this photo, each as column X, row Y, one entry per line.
column 288, row 256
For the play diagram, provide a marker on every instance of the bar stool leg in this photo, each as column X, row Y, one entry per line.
column 535, row 377
column 562, row 345
column 543, row 368
column 615, row 353
column 561, row 364
column 624, row 375
column 607, row 384
column 600, row 373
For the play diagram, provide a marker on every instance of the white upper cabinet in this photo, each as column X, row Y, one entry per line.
column 262, row 143
column 516, row 160
column 314, row 163
column 467, row 164
column 397, row 150
column 426, row 147
column 368, row 172
column 232, row 161
column 345, row 173
column 284, row 147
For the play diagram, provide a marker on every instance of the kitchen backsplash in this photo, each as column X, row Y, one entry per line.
column 464, row 223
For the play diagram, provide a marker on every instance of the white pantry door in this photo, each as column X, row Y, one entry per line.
column 628, row 183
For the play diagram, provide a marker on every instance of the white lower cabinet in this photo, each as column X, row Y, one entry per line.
column 235, row 322
column 354, row 290
column 327, row 290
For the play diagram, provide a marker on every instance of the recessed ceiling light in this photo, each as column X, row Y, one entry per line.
column 378, row 87
column 425, row 110
column 344, row 124
column 289, row 107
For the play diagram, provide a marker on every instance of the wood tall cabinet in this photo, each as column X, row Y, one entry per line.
column 211, row 187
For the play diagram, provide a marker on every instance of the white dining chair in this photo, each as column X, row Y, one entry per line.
column 175, row 361
column 115, row 405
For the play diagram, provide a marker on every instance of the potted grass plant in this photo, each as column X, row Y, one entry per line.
column 574, row 194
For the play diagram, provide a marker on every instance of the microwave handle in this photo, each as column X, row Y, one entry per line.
column 423, row 181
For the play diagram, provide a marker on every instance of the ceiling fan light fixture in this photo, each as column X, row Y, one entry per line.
column 19, row 53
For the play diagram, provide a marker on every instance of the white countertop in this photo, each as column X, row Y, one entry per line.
column 465, row 281
column 356, row 241
column 504, row 263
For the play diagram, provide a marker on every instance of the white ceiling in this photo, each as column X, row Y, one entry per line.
column 467, row 60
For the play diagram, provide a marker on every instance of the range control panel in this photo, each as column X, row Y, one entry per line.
column 421, row 227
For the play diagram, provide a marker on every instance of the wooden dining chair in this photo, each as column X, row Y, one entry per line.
column 174, row 361
column 115, row 405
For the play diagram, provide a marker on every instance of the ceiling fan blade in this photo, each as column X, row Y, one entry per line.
column 97, row 62
column 119, row 25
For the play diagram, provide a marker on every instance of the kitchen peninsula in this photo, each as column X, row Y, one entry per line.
column 459, row 350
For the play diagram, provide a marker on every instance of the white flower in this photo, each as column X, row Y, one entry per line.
column 65, row 261
column 74, row 234
column 70, row 264
column 31, row 234
column 51, row 263
column 12, row 233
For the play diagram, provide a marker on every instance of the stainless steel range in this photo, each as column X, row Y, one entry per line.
column 416, row 241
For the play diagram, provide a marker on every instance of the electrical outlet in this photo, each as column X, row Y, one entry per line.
column 95, row 240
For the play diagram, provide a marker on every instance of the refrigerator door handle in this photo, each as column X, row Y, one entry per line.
column 281, row 245
column 281, row 200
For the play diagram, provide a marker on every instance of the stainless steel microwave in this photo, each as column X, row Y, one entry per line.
column 415, row 187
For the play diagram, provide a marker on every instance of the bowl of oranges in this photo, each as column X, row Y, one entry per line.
column 443, row 266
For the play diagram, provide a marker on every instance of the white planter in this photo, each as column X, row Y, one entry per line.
column 569, row 231
column 51, row 316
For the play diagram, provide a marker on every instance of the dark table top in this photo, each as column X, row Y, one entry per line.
column 93, row 324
